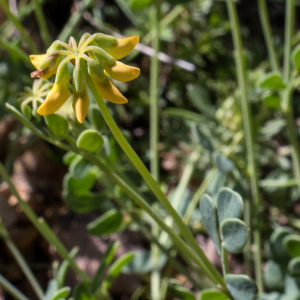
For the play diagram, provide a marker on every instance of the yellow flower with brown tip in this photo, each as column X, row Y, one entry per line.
column 100, row 53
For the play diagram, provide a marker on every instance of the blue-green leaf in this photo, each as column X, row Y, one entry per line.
column 229, row 205
column 57, row 124
column 213, row 294
column 294, row 267
column 296, row 57
column 241, row 287
column 209, row 218
column 234, row 235
column 61, row 293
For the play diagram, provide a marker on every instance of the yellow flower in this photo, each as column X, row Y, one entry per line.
column 37, row 61
column 81, row 103
column 100, row 52
column 57, row 96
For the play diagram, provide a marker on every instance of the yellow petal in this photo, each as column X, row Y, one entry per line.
column 122, row 72
column 81, row 103
column 36, row 60
column 108, row 91
column 123, row 47
column 57, row 96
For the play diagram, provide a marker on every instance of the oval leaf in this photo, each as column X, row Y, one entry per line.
column 90, row 140
column 213, row 294
column 108, row 223
column 294, row 267
column 274, row 276
column 229, row 205
column 292, row 244
column 57, row 124
column 272, row 81
column 234, row 234
column 209, row 218
column 241, row 287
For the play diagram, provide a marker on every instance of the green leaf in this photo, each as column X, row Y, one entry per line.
column 178, row 291
column 108, row 223
column 90, row 140
column 241, row 287
column 80, row 167
column 229, row 205
column 292, row 244
column 296, row 57
column 272, row 81
column 79, row 187
column 57, row 124
column 294, row 267
column 140, row 4
column 209, row 218
column 95, row 117
column 175, row 2
column 272, row 100
column 116, row 269
column 274, row 276
column 234, row 235
column 278, row 251
column 142, row 262
column 26, row 110
column 81, row 292
column 213, row 294
column 69, row 157
column 61, row 293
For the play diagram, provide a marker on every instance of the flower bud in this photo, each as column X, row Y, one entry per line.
column 79, row 79
column 104, row 40
column 81, row 103
column 103, row 57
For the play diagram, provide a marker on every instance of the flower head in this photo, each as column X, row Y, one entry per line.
column 100, row 53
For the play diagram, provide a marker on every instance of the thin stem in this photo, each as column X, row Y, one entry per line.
column 40, row 17
column 185, row 250
column 265, row 22
column 247, row 121
column 7, row 286
column 19, row 26
column 154, row 136
column 42, row 226
column 224, row 259
column 21, row 261
column 210, row 270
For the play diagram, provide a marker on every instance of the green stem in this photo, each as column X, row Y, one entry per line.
column 247, row 120
column 42, row 226
column 154, row 161
column 40, row 17
column 264, row 18
column 185, row 250
column 19, row 26
column 204, row 263
column 224, row 258
column 21, row 261
column 7, row 286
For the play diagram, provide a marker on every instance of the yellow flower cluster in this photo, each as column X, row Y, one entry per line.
column 100, row 54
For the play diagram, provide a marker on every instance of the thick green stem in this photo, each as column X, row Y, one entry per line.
column 204, row 263
column 21, row 261
column 19, row 26
column 247, row 120
column 40, row 17
column 265, row 22
column 154, row 136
